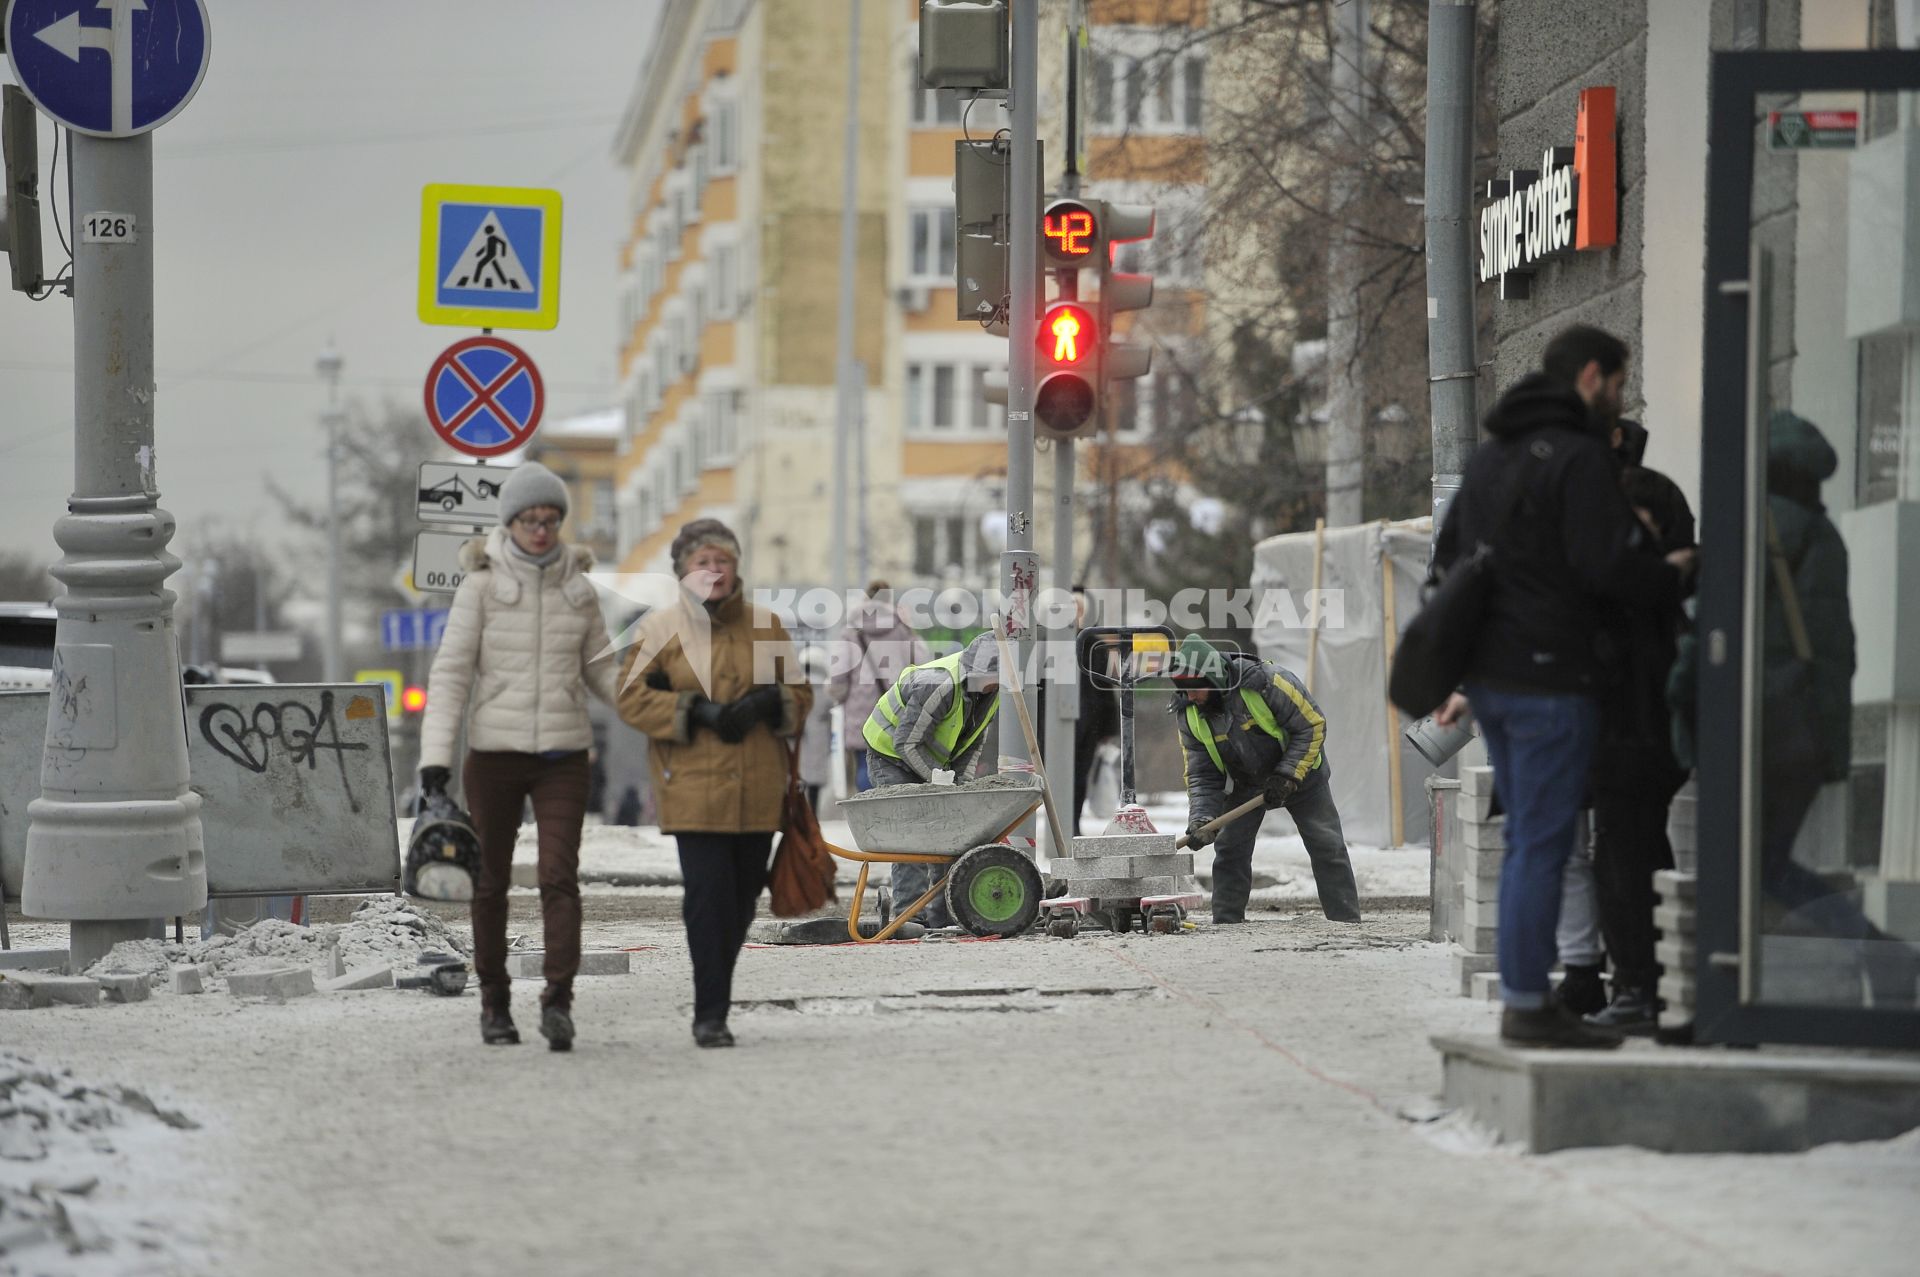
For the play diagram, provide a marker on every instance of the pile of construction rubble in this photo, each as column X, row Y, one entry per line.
column 271, row 958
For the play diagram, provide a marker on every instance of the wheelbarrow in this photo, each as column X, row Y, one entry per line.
column 991, row 888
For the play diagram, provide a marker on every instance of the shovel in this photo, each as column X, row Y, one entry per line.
column 1219, row 822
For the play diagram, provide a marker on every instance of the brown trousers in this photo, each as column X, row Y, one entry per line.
column 497, row 785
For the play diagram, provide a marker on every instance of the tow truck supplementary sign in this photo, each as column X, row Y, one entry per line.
column 117, row 78
column 484, row 397
column 490, row 256
column 454, row 492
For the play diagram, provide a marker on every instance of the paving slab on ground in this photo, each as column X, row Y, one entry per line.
column 1253, row 1100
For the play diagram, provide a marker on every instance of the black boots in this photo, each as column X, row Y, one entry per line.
column 556, row 1015
column 1634, row 1011
column 1552, row 1027
column 1581, row 989
column 496, row 1026
column 711, row 1033
column 556, row 1026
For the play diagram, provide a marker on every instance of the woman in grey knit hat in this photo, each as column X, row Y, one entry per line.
column 524, row 644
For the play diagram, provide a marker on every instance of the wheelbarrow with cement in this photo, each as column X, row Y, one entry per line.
column 991, row 888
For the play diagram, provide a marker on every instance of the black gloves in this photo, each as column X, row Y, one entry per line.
column 732, row 722
column 712, row 716
column 433, row 781
column 1279, row 791
column 1198, row 838
column 761, row 705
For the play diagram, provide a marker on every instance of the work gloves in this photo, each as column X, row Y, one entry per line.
column 1279, row 791
column 433, row 781
column 1197, row 835
column 761, row 705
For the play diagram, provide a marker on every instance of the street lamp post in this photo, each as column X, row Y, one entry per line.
column 328, row 366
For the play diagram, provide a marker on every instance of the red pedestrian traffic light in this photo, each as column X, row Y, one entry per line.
column 414, row 699
column 1068, row 368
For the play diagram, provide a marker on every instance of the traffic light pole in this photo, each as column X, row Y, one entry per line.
column 1019, row 565
column 114, row 842
column 1063, row 697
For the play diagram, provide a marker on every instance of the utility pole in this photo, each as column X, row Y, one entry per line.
column 1019, row 565
column 328, row 366
column 1346, row 393
column 1063, row 695
column 1452, row 319
column 861, row 545
column 114, row 843
column 844, row 367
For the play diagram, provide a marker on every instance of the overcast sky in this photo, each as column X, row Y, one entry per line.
column 287, row 211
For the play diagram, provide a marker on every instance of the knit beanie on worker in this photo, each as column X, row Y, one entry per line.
column 531, row 484
column 699, row 535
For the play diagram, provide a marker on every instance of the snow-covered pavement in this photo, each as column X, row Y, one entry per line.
column 1243, row 1100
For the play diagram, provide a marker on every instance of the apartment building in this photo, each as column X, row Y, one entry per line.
column 733, row 141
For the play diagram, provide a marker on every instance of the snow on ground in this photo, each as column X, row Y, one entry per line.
column 78, row 1165
column 1244, row 1100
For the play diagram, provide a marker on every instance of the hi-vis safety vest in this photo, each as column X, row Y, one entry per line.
column 1258, row 710
column 946, row 737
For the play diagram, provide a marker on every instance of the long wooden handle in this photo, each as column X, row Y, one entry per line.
column 1219, row 821
column 1010, row 675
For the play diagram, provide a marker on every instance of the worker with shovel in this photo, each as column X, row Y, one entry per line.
column 935, row 716
column 1248, row 727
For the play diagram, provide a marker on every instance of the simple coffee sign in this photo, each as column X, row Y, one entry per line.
column 1568, row 204
column 1529, row 218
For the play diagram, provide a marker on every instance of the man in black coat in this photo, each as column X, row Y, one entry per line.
column 1567, row 553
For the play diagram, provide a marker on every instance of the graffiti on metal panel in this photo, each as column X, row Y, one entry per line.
column 303, row 731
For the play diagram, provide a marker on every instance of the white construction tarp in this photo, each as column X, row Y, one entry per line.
column 1348, row 670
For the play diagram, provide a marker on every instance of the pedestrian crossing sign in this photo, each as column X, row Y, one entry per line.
column 489, row 256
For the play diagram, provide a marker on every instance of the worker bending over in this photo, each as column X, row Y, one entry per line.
column 1248, row 727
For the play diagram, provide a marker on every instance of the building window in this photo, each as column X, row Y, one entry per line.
column 723, row 280
column 943, row 416
column 931, row 237
column 983, row 416
column 916, row 396
column 1141, row 84
column 726, row 137
column 719, row 422
column 934, row 403
column 944, row 542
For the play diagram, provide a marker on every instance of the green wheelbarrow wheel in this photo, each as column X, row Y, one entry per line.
column 994, row 891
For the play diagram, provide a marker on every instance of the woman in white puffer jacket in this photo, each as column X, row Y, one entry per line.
column 524, row 643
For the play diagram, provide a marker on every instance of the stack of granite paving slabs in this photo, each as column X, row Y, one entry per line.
column 1125, row 867
column 1482, row 838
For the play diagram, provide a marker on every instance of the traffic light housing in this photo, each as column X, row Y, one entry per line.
column 1067, row 371
column 1122, row 291
column 20, row 207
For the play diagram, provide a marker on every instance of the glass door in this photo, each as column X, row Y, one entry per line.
column 1809, row 604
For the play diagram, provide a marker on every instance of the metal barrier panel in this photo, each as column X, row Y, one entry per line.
column 295, row 781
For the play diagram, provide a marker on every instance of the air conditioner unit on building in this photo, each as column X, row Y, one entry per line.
column 914, row 298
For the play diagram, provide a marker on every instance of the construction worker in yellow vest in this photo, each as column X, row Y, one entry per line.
column 937, row 715
column 1247, row 727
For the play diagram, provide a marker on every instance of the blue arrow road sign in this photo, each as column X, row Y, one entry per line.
column 407, row 629
column 112, row 68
